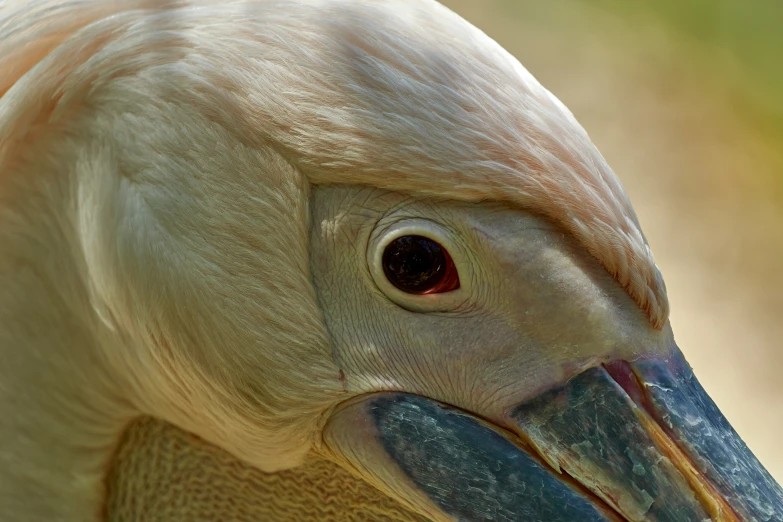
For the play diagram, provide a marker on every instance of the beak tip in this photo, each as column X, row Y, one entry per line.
column 696, row 425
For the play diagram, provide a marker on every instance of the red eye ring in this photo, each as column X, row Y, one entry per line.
column 418, row 265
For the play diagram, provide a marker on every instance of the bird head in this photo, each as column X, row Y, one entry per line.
column 363, row 230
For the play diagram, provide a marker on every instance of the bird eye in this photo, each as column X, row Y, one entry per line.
column 419, row 265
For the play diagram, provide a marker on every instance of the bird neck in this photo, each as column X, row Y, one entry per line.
column 60, row 412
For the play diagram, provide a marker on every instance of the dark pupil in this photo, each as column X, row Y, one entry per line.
column 414, row 264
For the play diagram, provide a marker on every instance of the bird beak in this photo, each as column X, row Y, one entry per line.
column 621, row 441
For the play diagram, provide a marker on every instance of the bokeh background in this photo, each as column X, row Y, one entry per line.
column 685, row 100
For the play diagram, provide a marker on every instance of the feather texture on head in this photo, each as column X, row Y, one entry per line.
column 428, row 104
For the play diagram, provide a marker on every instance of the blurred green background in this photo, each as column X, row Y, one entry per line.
column 685, row 100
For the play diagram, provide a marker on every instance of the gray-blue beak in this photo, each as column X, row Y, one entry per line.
column 623, row 441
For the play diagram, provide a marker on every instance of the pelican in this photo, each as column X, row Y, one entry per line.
column 352, row 230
